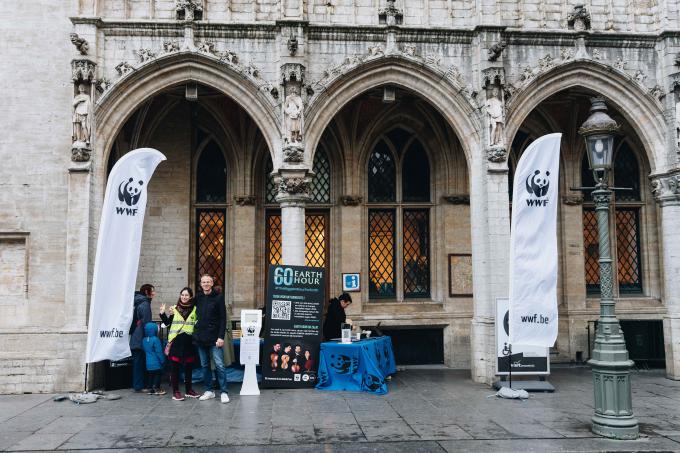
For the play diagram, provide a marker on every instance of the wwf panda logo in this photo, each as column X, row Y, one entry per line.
column 538, row 185
column 129, row 192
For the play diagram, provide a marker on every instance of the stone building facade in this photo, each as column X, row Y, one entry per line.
column 365, row 136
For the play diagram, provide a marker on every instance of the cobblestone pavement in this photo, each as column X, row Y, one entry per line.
column 426, row 410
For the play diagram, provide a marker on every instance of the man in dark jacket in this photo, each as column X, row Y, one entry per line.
column 141, row 315
column 209, row 337
column 335, row 317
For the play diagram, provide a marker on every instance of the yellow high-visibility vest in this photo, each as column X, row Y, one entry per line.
column 180, row 325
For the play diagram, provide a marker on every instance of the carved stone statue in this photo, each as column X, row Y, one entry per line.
column 81, row 114
column 496, row 111
column 292, row 108
column 80, row 43
column 579, row 18
column 496, row 50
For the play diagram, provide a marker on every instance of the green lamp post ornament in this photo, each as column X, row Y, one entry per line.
column 611, row 366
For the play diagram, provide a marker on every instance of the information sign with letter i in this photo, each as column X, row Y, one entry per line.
column 251, row 323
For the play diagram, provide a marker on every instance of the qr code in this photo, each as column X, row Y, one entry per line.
column 281, row 310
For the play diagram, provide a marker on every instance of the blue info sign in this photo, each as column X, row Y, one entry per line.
column 351, row 282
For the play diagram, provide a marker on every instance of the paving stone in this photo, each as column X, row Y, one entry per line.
column 387, row 431
column 67, row 425
column 340, row 433
column 45, row 441
column 440, row 431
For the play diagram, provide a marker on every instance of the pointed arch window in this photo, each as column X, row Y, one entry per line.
column 211, row 175
column 398, row 179
column 626, row 206
column 321, row 183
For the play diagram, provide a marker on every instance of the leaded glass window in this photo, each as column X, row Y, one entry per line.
column 625, row 217
column 210, row 244
column 211, row 175
column 416, row 252
column 315, row 239
column 381, row 253
column 381, row 175
column 399, row 226
column 321, row 184
column 270, row 187
column 416, row 174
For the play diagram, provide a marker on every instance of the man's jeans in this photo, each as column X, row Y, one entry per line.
column 138, row 369
column 217, row 354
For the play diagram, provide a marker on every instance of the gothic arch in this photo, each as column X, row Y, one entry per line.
column 639, row 109
column 116, row 105
column 416, row 77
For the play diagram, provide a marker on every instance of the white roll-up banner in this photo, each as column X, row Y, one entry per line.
column 533, row 244
column 117, row 258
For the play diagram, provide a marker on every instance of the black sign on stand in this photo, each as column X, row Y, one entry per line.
column 295, row 300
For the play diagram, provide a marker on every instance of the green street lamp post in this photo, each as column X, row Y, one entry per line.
column 610, row 363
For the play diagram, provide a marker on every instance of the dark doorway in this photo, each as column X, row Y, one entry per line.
column 417, row 346
column 644, row 341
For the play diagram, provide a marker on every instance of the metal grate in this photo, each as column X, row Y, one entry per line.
column 381, row 175
column 321, row 184
column 270, row 187
column 381, row 253
column 628, row 250
column 210, row 245
column 591, row 250
column 626, row 174
column 416, row 248
column 274, row 246
column 315, row 240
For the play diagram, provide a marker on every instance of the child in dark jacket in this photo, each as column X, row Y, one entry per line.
column 154, row 357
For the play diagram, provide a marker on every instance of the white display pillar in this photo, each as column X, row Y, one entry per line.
column 666, row 190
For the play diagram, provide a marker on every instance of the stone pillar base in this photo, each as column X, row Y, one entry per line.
column 671, row 331
column 482, row 343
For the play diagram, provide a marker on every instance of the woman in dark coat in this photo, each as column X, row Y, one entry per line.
column 336, row 316
column 182, row 351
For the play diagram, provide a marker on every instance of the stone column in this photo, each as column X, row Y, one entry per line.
column 293, row 193
column 243, row 265
column 77, row 246
column 666, row 189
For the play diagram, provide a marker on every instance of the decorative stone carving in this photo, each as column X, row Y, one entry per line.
column 620, row 64
column 80, row 43
column 493, row 76
column 294, row 186
column 145, row 55
column 546, row 63
column 390, row 15
column 597, row 55
column 572, row 199
column 409, row 50
column 244, row 200
column 495, row 111
column 292, row 72
column 666, row 187
column 229, row 57
column 433, row 59
column 292, row 109
column 292, row 45
column 170, row 46
column 102, row 84
column 80, row 154
column 676, row 61
column 640, row 77
column 123, row 68
column 82, row 70
column 293, row 154
column 496, row 154
column 189, row 10
column 657, row 92
column 495, row 50
column 566, row 54
column 677, row 119
column 579, row 18
column 351, row 200
column 457, row 198
column 376, row 50
column 207, row 47
column 252, row 70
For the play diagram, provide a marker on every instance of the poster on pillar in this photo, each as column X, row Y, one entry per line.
column 295, row 301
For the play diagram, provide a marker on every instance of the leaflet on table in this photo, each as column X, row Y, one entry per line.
column 295, row 300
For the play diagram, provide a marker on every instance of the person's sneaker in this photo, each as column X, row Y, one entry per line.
column 207, row 395
column 141, row 390
column 191, row 394
column 159, row 392
column 224, row 397
column 152, row 392
column 177, row 396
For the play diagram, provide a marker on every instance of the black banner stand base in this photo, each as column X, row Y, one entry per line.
column 529, row 386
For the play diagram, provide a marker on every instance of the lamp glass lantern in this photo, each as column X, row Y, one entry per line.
column 599, row 148
column 598, row 132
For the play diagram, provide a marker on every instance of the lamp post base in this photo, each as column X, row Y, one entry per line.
column 621, row 428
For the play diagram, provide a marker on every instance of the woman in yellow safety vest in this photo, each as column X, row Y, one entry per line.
column 180, row 349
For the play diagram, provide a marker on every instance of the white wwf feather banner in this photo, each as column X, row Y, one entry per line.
column 117, row 259
column 533, row 245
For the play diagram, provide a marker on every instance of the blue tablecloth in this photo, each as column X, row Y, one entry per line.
column 359, row 366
